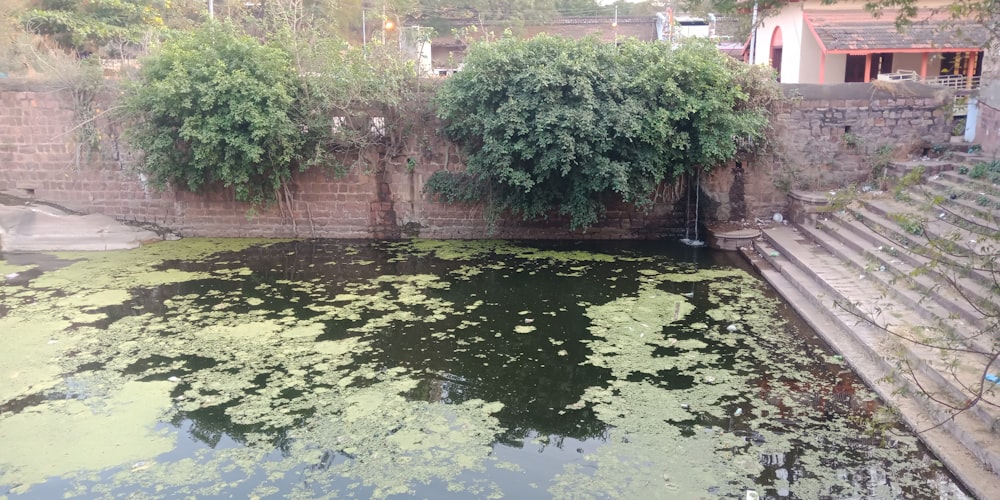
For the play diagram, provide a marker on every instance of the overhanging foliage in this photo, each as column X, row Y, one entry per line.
column 216, row 105
column 561, row 124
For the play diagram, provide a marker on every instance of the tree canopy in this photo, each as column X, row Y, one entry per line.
column 558, row 125
column 216, row 105
column 113, row 25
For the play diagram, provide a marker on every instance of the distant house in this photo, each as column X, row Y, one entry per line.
column 809, row 42
column 448, row 50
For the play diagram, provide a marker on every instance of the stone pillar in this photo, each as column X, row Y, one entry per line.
column 988, row 124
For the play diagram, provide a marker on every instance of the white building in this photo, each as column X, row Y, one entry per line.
column 809, row 42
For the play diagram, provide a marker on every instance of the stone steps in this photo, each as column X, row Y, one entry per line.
column 895, row 273
column 822, row 285
column 867, row 296
column 883, row 242
column 970, row 197
column 877, row 275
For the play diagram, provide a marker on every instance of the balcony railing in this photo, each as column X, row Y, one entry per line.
column 956, row 82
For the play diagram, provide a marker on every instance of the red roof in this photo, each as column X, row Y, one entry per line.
column 856, row 31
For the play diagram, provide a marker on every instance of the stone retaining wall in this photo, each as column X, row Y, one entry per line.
column 39, row 157
column 830, row 133
column 988, row 123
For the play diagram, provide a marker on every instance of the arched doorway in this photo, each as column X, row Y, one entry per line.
column 776, row 51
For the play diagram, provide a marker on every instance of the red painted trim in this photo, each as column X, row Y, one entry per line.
column 822, row 67
column 812, row 29
column 860, row 52
column 971, row 70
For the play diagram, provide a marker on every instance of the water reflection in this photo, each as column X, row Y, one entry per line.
column 472, row 369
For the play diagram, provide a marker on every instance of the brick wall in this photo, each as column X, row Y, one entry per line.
column 39, row 157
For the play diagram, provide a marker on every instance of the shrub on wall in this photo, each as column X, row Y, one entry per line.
column 215, row 105
column 559, row 124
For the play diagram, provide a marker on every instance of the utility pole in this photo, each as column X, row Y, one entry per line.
column 753, row 34
column 614, row 24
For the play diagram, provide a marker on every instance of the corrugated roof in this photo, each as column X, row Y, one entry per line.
column 856, row 30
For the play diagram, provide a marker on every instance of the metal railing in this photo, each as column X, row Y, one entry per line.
column 957, row 82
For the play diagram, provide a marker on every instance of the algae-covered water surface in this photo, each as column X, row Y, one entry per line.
column 240, row 368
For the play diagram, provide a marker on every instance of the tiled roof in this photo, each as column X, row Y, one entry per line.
column 855, row 30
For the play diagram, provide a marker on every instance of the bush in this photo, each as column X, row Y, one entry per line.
column 561, row 124
column 214, row 105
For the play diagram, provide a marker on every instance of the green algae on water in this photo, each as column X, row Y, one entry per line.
column 69, row 436
column 347, row 380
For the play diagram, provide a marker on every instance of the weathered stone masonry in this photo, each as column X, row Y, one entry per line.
column 39, row 158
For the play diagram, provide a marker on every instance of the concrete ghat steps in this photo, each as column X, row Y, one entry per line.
column 901, row 304
column 939, row 221
column 812, row 279
column 969, row 248
column 967, row 182
column 842, row 281
column 971, row 197
column 895, row 267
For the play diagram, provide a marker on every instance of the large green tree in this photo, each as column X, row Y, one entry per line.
column 557, row 125
column 215, row 105
column 108, row 27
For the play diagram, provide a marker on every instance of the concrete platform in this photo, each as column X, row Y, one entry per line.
column 34, row 228
column 731, row 238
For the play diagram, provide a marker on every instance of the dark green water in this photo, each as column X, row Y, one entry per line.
column 429, row 369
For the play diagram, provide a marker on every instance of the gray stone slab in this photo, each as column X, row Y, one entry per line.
column 35, row 228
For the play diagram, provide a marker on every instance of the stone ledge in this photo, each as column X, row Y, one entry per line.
column 731, row 237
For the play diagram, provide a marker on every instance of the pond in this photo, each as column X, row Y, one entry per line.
column 479, row 369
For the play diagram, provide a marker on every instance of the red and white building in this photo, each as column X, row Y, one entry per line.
column 809, row 42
